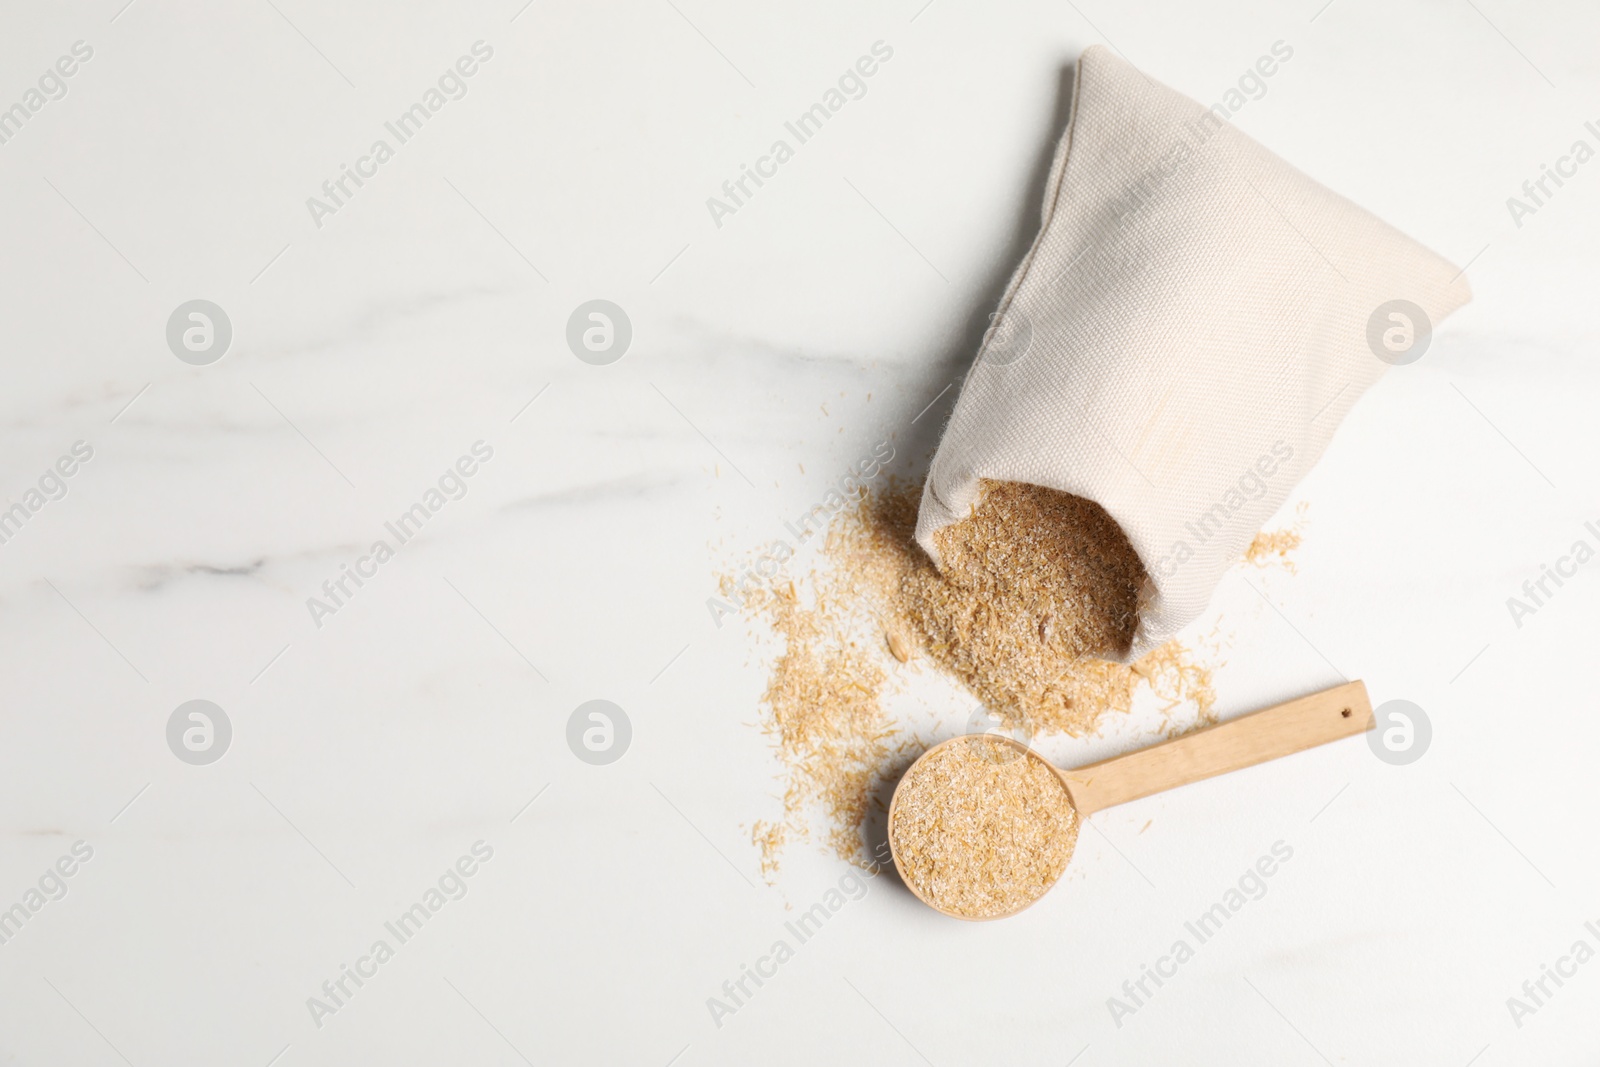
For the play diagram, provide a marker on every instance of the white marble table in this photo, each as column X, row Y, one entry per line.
column 411, row 735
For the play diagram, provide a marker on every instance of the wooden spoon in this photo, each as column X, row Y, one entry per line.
column 1283, row 730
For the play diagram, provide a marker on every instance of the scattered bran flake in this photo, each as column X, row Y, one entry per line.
column 1040, row 582
column 982, row 829
column 1273, row 546
column 1178, row 681
column 825, row 717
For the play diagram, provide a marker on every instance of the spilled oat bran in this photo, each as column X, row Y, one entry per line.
column 1038, row 583
column 1273, row 547
column 1033, row 582
column 825, row 716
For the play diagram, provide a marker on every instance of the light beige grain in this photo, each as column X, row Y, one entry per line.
column 982, row 829
column 1040, row 583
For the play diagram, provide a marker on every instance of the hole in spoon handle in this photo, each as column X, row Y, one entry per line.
column 1269, row 734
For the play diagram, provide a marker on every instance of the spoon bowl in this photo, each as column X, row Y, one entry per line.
column 994, row 749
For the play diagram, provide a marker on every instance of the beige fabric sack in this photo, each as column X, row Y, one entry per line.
column 1192, row 323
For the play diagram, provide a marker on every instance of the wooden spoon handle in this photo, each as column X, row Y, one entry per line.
column 1243, row 742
